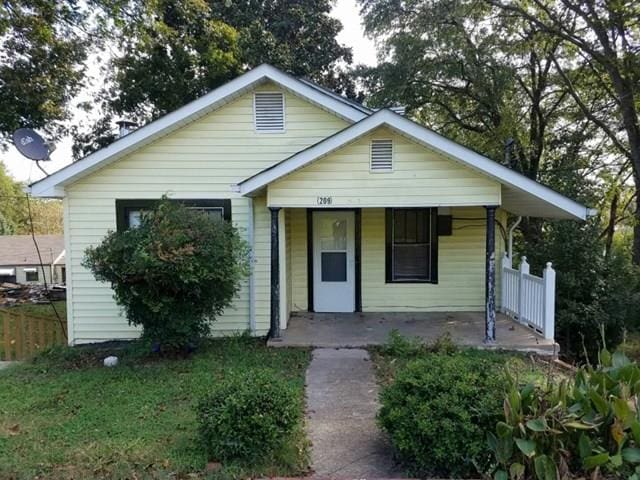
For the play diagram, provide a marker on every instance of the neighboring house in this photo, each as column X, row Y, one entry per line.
column 347, row 209
column 19, row 261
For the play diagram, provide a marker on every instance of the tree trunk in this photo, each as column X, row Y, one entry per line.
column 611, row 226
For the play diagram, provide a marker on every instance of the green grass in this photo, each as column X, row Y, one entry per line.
column 65, row 416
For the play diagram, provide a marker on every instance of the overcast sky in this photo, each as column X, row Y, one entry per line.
column 352, row 35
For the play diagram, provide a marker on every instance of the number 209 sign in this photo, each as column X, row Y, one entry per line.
column 325, row 200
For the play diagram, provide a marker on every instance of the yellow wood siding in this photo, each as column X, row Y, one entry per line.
column 420, row 177
column 461, row 261
column 201, row 160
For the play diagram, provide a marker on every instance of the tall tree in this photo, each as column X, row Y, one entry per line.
column 43, row 47
column 173, row 51
column 479, row 79
column 602, row 39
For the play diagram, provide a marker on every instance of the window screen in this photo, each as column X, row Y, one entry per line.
column 411, row 245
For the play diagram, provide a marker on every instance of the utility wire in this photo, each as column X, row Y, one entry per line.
column 44, row 275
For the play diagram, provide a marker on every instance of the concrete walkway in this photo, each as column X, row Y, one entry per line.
column 342, row 401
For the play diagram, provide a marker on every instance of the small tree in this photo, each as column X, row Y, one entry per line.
column 174, row 273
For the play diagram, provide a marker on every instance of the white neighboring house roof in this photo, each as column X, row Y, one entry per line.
column 53, row 185
column 520, row 194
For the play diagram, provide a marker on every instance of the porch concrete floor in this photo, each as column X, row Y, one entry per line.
column 353, row 330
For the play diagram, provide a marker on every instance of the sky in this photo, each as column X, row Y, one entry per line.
column 352, row 35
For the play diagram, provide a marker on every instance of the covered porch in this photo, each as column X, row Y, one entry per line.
column 361, row 329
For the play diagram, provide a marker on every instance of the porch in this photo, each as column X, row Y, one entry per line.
column 362, row 329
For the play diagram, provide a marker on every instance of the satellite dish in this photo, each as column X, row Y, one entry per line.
column 30, row 144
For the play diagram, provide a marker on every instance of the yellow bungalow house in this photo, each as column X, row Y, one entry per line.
column 354, row 214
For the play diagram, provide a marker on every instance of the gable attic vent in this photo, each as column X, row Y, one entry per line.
column 268, row 108
column 381, row 156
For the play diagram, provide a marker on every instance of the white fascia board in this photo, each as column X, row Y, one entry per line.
column 53, row 185
column 427, row 138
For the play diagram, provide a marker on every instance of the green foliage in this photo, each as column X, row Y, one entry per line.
column 44, row 46
column 175, row 51
column 593, row 292
column 174, row 273
column 438, row 408
column 572, row 427
column 248, row 415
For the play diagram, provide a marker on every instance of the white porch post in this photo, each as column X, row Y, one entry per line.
column 506, row 263
column 524, row 269
column 549, row 278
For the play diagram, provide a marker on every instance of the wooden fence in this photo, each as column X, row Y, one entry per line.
column 23, row 335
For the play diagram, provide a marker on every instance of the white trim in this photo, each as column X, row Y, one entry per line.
column 427, row 138
column 53, row 185
column 9, row 272
column 59, row 257
column 30, row 270
column 71, row 331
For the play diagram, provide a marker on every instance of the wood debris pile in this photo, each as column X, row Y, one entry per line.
column 17, row 294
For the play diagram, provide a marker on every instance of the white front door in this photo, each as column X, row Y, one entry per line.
column 334, row 276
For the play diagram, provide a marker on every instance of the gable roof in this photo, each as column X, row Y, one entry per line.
column 53, row 185
column 521, row 195
column 19, row 250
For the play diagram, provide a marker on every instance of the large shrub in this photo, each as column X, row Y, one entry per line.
column 437, row 412
column 584, row 427
column 174, row 273
column 248, row 415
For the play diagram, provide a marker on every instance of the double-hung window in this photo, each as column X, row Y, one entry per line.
column 130, row 212
column 412, row 245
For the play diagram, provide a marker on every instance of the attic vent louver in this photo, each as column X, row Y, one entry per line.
column 381, row 156
column 269, row 111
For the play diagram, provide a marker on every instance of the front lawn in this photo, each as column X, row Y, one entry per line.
column 66, row 416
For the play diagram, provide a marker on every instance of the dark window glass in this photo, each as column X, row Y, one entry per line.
column 32, row 276
column 411, row 245
column 129, row 212
column 334, row 266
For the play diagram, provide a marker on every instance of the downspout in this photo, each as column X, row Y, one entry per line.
column 252, row 282
column 511, row 230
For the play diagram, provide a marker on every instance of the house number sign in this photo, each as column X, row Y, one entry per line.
column 325, row 200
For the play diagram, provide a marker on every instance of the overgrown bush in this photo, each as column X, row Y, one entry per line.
column 584, row 427
column 248, row 415
column 438, row 409
column 174, row 273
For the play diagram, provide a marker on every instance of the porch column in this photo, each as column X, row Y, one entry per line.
column 274, row 330
column 490, row 277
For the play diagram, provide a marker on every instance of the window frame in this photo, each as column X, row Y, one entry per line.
column 29, row 272
column 433, row 250
column 125, row 206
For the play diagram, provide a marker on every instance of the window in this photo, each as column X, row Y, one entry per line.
column 130, row 212
column 412, row 245
column 381, row 156
column 31, row 274
column 268, row 111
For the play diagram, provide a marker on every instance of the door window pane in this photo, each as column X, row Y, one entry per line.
column 334, row 266
column 333, row 234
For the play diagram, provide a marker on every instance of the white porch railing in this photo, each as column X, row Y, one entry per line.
column 528, row 299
